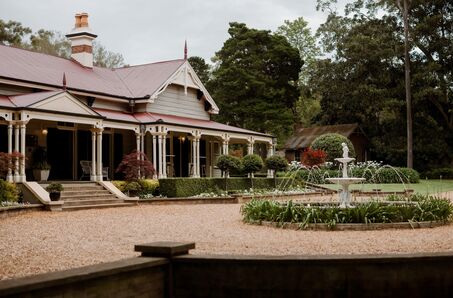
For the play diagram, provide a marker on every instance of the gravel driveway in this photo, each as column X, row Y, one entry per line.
column 39, row 242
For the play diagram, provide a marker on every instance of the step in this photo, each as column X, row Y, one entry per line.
column 82, row 188
column 88, row 197
column 84, row 207
column 91, row 202
column 75, row 193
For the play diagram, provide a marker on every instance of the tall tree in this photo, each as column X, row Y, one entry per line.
column 50, row 42
column 362, row 60
column 201, row 68
column 12, row 33
column 105, row 58
column 404, row 7
column 299, row 35
column 255, row 81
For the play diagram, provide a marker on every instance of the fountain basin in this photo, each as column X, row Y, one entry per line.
column 345, row 159
column 345, row 181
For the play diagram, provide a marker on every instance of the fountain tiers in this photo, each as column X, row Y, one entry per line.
column 345, row 181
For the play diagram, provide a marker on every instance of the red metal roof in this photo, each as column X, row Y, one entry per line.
column 129, row 82
column 146, row 117
column 29, row 99
column 26, row 100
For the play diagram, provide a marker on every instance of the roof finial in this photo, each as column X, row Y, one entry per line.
column 64, row 81
column 185, row 50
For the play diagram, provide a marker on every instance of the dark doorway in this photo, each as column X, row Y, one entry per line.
column 60, row 153
column 181, row 151
column 3, row 138
column 117, row 154
column 83, row 150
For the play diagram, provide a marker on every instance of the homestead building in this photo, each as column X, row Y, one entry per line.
column 81, row 112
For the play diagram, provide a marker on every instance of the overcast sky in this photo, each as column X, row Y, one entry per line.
column 146, row 31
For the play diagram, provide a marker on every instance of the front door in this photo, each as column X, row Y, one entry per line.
column 60, row 152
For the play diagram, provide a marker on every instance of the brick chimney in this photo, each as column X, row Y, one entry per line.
column 81, row 38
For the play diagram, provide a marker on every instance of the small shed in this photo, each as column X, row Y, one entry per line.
column 303, row 137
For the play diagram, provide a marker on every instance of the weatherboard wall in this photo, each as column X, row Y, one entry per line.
column 173, row 101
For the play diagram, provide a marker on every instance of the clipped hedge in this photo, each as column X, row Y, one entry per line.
column 445, row 173
column 186, row 187
column 381, row 175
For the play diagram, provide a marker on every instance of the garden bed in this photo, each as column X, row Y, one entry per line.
column 371, row 215
column 356, row 226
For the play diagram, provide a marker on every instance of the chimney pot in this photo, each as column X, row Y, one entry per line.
column 77, row 20
column 84, row 19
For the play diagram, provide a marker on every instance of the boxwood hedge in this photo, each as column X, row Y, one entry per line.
column 381, row 175
column 186, row 187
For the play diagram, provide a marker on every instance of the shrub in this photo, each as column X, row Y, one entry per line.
column 135, row 166
column 132, row 188
column 54, row 187
column 276, row 163
column 7, row 161
column 252, row 163
column 149, row 186
column 121, row 185
column 371, row 175
column 227, row 163
column 8, row 192
column 331, row 144
column 445, row 173
column 39, row 159
column 313, row 157
column 186, row 187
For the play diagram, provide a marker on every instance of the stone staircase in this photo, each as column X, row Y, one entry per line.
column 88, row 195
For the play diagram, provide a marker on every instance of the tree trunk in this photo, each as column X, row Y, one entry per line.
column 407, row 70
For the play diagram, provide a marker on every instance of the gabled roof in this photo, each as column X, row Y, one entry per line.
column 126, row 82
column 303, row 137
column 52, row 101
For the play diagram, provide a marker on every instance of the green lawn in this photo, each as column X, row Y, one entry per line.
column 424, row 187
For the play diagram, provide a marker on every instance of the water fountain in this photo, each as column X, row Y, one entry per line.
column 345, row 181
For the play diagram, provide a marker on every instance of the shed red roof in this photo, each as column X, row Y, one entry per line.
column 129, row 82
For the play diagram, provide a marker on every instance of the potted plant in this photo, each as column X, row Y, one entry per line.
column 40, row 166
column 54, row 190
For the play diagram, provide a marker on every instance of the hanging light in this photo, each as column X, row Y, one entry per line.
column 182, row 139
column 44, row 131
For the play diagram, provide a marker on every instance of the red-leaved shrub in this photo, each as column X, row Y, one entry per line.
column 8, row 161
column 136, row 166
column 311, row 157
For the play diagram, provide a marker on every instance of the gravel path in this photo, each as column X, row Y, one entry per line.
column 39, row 242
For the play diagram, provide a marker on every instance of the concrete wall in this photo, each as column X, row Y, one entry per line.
column 166, row 270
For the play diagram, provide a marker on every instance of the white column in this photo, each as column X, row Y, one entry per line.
column 159, row 141
column 164, row 155
column 197, row 157
column 22, row 152
column 9, row 177
column 250, row 147
column 269, row 154
column 142, row 142
column 137, row 140
column 99, row 162
column 154, row 156
column 192, row 139
column 93, row 176
column 16, row 149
